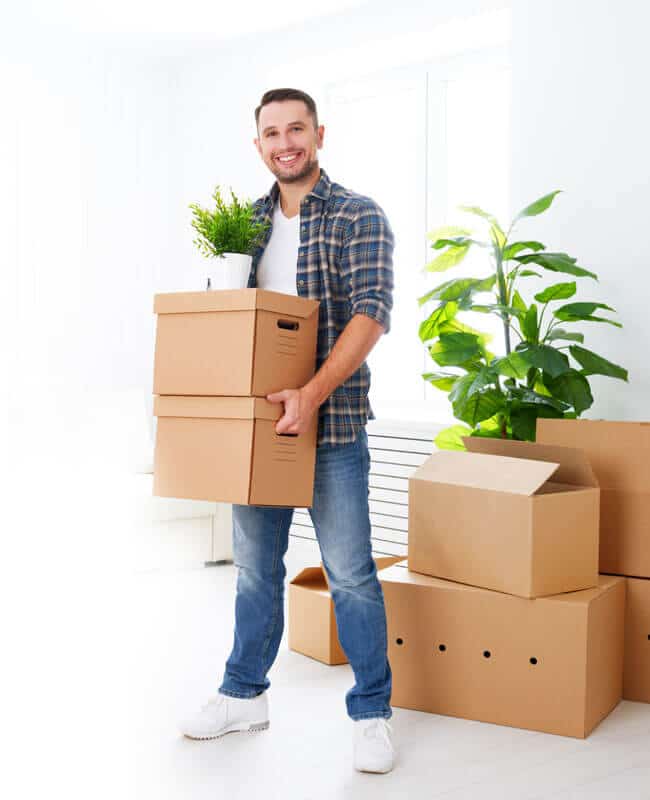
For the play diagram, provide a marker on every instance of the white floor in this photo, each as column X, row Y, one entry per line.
column 183, row 620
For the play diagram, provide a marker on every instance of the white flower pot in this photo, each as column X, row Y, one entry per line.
column 230, row 271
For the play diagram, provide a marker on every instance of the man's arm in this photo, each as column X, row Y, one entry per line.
column 366, row 267
column 350, row 351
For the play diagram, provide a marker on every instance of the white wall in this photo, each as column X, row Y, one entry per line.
column 581, row 123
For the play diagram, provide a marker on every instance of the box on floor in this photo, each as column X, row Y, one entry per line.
column 312, row 621
column 619, row 453
column 510, row 516
column 226, row 449
column 551, row 664
column 636, row 669
column 240, row 342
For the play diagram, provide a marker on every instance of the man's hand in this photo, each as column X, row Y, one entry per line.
column 299, row 408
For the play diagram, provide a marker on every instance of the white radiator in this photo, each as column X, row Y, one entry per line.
column 396, row 449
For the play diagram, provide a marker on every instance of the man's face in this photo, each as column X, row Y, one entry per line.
column 288, row 142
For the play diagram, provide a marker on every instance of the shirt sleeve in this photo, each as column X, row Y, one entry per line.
column 367, row 262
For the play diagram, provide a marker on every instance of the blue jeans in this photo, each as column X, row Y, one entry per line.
column 342, row 524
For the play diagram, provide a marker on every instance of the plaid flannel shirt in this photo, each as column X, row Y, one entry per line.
column 345, row 260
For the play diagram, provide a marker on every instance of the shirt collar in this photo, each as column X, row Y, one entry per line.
column 322, row 189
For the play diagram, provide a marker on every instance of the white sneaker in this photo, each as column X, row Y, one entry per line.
column 373, row 745
column 224, row 714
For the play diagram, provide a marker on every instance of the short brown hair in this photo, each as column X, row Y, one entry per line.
column 277, row 95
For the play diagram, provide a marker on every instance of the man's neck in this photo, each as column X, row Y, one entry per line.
column 291, row 194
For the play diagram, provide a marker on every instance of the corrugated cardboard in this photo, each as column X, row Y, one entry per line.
column 312, row 622
column 553, row 664
column 619, row 453
column 233, row 342
column 510, row 516
column 226, row 449
column 636, row 671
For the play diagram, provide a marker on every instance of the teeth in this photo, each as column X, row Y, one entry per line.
column 288, row 158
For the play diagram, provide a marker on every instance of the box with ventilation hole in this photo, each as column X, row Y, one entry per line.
column 510, row 516
column 551, row 664
column 239, row 342
column 226, row 449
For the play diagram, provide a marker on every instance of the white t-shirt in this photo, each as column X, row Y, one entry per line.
column 279, row 263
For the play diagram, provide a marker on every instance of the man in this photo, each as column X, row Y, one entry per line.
column 329, row 244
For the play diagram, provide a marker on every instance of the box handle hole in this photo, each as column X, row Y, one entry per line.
column 399, row 641
column 442, row 647
column 487, row 654
column 288, row 325
column 533, row 660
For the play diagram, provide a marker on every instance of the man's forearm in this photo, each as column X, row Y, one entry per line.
column 350, row 351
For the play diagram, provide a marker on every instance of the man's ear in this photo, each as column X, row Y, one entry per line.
column 256, row 142
column 321, row 135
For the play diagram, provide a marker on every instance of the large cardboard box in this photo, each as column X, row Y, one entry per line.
column 619, row 453
column 312, row 621
column 510, row 516
column 636, row 671
column 226, row 449
column 233, row 342
column 553, row 664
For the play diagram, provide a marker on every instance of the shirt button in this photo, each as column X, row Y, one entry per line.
column 301, row 283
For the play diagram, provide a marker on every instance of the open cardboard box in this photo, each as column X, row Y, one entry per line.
column 233, row 342
column 619, row 453
column 226, row 449
column 312, row 621
column 553, row 664
column 511, row 516
column 636, row 670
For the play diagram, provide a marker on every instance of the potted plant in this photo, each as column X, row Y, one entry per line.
column 545, row 369
column 229, row 234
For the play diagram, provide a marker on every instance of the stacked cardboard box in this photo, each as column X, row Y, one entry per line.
column 620, row 455
column 217, row 355
column 501, row 615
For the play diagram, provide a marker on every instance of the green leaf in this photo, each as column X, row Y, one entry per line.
column 430, row 327
column 560, row 333
column 593, row 364
column 472, row 383
column 459, row 289
column 572, row 388
column 447, row 232
column 524, row 423
column 441, row 380
column 528, row 273
column 458, row 241
column 455, row 349
column 448, row 259
column 479, row 406
column 455, row 326
column 544, row 357
column 559, row 291
column 495, row 229
column 538, row 206
column 556, row 262
column 517, row 302
column 452, row 438
column 490, row 308
column 583, row 312
column 491, row 427
column 529, row 325
column 512, row 366
column 530, row 397
column 516, row 247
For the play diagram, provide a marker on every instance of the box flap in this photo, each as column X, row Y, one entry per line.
column 216, row 407
column 482, row 471
column 574, row 466
column 314, row 577
column 281, row 303
column 233, row 300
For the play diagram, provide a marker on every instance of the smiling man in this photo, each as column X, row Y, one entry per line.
column 330, row 244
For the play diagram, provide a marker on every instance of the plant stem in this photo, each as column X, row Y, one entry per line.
column 503, row 294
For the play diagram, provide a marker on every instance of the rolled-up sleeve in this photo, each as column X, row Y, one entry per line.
column 367, row 263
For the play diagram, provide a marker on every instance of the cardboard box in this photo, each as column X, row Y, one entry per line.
column 240, row 342
column 226, row 449
column 510, row 516
column 636, row 670
column 312, row 622
column 619, row 453
column 554, row 664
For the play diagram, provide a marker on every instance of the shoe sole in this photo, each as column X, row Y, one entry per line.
column 252, row 727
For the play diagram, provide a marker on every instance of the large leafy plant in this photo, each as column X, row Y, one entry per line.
column 228, row 227
column 545, row 369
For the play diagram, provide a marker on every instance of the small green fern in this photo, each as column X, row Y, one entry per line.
column 229, row 228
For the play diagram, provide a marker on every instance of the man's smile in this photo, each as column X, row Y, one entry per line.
column 288, row 159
